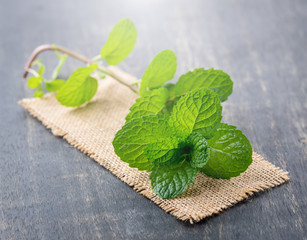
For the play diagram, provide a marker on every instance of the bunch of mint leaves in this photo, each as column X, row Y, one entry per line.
column 173, row 130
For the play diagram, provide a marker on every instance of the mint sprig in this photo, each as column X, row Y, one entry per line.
column 175, row 148
column 173, row 130
column 118, row 46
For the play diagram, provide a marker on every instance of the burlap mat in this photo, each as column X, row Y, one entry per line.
column 92, row 128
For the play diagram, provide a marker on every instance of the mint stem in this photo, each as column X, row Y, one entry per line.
column 48, row 47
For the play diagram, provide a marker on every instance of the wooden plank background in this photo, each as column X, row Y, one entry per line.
column 49, row 190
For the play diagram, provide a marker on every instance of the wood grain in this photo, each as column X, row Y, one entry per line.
column 49, row 190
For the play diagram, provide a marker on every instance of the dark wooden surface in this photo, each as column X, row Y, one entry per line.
column 49, row 190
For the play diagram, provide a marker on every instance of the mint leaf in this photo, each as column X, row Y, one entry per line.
column 216, row 80
column 198, row 111
column 120, row 42
column 230, row 153
column 171, row 182
column 56, row 71
column 35, row 82
column 54, row 85
column 162, row 151
column 130, row 141
column 39, row 93
column 161, row 69
column 200, row 150
column 151, row 103
column 79, row 88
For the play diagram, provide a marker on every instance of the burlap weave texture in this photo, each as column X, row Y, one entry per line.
column 92, row 128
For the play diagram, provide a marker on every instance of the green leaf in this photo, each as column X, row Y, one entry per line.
column 39, row 93
column 198, row 111
column 120, row 42
column 56, row 71
column 171, row 182
column 130, row 141
column 151, row 103
column 200, row 150
column 79, row 88
column 161, row 69
column 162, row 151
column 230, row 153
column 216, row 80
column 54, row 85
column 35, row 82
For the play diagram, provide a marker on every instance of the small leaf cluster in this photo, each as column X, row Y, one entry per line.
column 81, row 87
column 40, row 83
column 174, row 131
